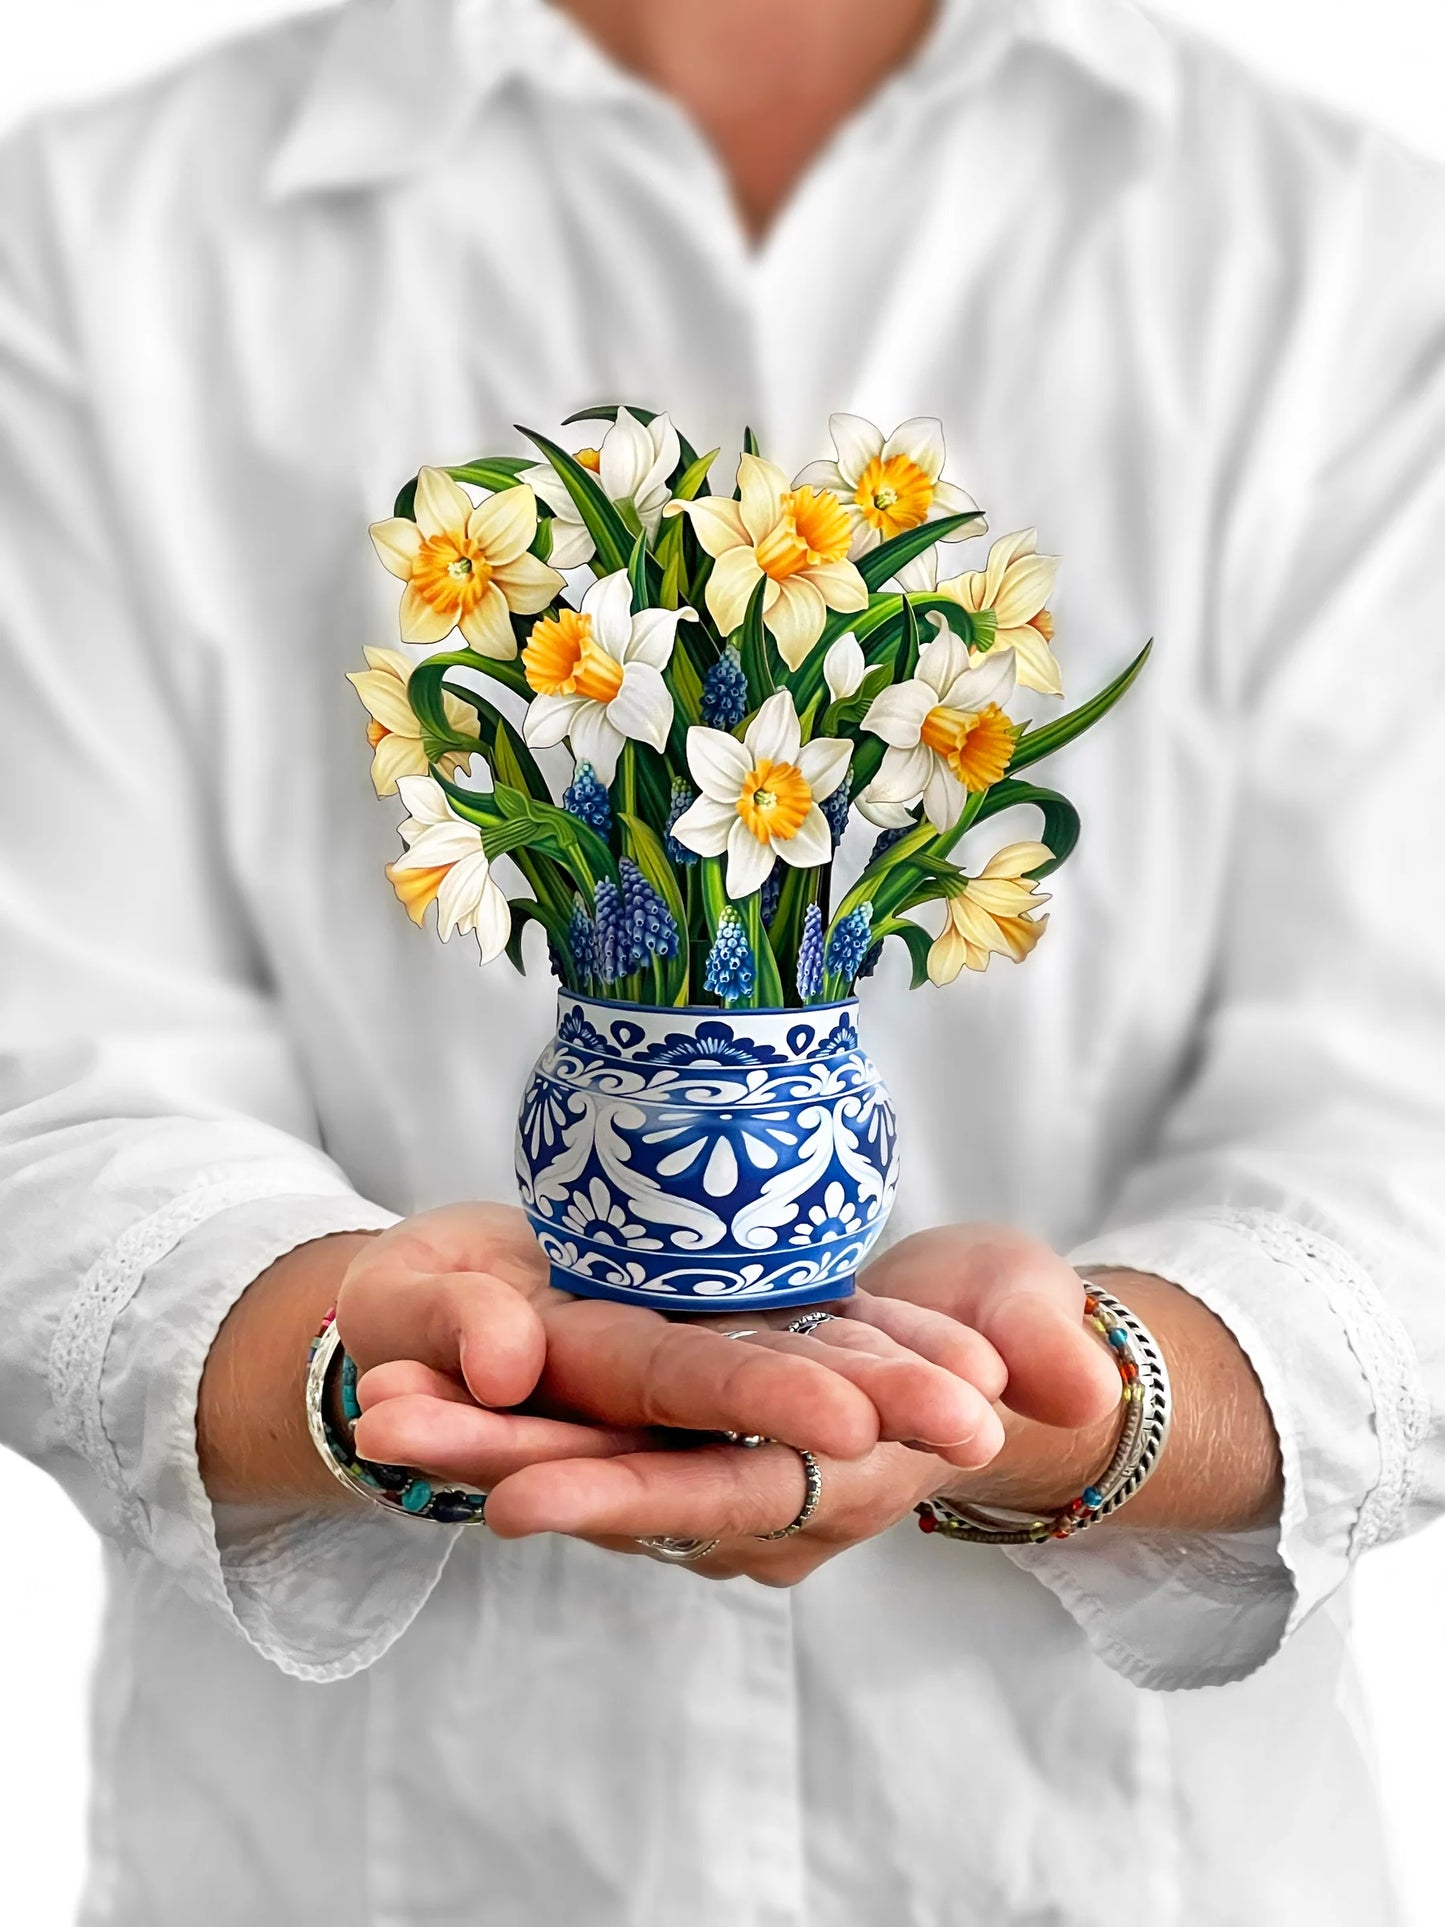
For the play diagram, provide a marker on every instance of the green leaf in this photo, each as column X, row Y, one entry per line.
column 754, row 648
column 889, row 557
column 606, row 527
column 642, row 843
column 637, row 576
column 1035, row 744
column 690, row 483
column 918, row 941
column 514, row 764
column 908, row 650
column 511, row 820
column 750, row 443
column 525, row 911
column 1061, row 820
column 767, row 985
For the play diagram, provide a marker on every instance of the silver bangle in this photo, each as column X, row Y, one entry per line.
column 1148, row 1408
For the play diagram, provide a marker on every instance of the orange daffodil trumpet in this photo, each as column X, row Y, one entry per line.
column 660, row 784
column 597, row 675
column 887, row 487
column 445, row 864
column 466, row 567
column 633, row 464
column 1015, row 587
column 796, row 540
column 946, row 732
column 992, row 914
column 394, row 733
column 760, row 796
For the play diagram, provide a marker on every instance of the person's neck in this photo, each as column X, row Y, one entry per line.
column 767, row 81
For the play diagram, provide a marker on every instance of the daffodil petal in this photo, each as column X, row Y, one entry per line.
column 654, row 631
column 718, row 762
column 796, row 617
column 942, row 661
column 596, row 740
column 887, row 816
column 398, row 543
column 951, row 500
column 824, row 475
column 943, row 795
column 487, row 627
column 717, row 523
column 549, row 718
column 839, row 584
column 774, row 733
column 572, row 544
column 528, row 585
column 824, row 764
column 1017, row 859
column 1037, row 665
column 608, row 606
column 442, row 505
column 384, row 695
column 730, row 586
column 1026, row 588
column 420, row 621
column 750, row 863
column 460, row 893
column 761, row 488
column 425, row 799
column 627, row 454
column 810, row 845
column 493, row 925
column 704, row 826
column 1001, row 557
column 642, row 707
column 504, row 524
column 921, row 440
column 897, row 714
column 902, row 775
column 858, row 442
column 394, row 757
column 844, row 667
column 991, row 681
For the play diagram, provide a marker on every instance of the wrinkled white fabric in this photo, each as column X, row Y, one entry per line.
column 1195, row 334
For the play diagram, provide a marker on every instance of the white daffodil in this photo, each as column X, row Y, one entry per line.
column 992, row 914
column 633, row 465
column 394, row 732
column 759, row 797
column 1015, row 586
column 466, row 567
column 598, row 675
column 794, row 539
column 945, row 731
column 889, row 486
column 445, row 863
column 844, row 668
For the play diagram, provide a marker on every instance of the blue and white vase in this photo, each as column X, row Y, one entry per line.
column 695, row 1159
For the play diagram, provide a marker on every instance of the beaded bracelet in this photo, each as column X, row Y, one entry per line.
column 399, row 1487
column 1147, row 1406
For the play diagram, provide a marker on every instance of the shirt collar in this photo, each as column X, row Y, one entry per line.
column 396, row 83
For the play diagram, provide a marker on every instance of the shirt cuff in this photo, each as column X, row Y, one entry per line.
column 1342, row 1383
column 320, row 1594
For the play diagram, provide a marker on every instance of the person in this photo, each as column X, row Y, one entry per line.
column 1196, row 333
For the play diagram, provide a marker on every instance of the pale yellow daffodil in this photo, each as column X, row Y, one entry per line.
column 796, row 540
column 992, row 914
column 445, row 864
column 394, row 732
column 1015, row 586
column 466, row 567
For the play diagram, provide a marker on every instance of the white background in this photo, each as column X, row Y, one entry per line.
column 1383, row 60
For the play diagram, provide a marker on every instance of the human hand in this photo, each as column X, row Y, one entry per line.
column 452, row 1320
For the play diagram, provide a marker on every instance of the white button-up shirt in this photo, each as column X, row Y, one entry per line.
column 1194, row 334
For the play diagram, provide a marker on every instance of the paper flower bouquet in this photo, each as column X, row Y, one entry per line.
column 744, row 673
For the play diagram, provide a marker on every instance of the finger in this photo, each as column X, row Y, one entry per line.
column 933, row 1335
column 456, row 1321
column 713, row 1492
column 401, row 1377
column 1025, row 1300
column 628, row 1367
column 914, row 1399
column 462, row 1441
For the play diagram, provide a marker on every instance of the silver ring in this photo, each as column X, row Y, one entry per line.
column 680, row 1551
column 809, row 1322
column 811, row 1496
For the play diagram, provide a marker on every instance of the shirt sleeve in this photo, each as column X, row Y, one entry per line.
column 1297, row 1185
column 157, row 1145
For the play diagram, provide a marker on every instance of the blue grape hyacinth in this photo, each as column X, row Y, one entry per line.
column 610, row 963
column 887, row 838
column 648, row 926
column 772, row 890
column 582, row 943
column 835, row 808
column 810, row 955
column 683, row 798
column 731, row 970
column 586, row 798
column 725, row 693
column 849, row 943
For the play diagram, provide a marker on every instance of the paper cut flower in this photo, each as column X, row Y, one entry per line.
column 945, row 731
column 887, row 487
column 795, row 539
column 466, row 567
column 760, row 796
column 597, row 674
column 632, row 464
column 1015, row 586
column 844, row 667
column 445, row 863
column 394, row 732
column 992, row 914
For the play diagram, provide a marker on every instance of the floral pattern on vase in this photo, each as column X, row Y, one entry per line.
column 693, row 1158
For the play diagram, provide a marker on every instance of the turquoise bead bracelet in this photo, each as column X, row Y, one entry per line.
column 400, row 1488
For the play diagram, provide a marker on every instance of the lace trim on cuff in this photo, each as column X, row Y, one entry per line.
column 77, row 1355
column 1380, row 1343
